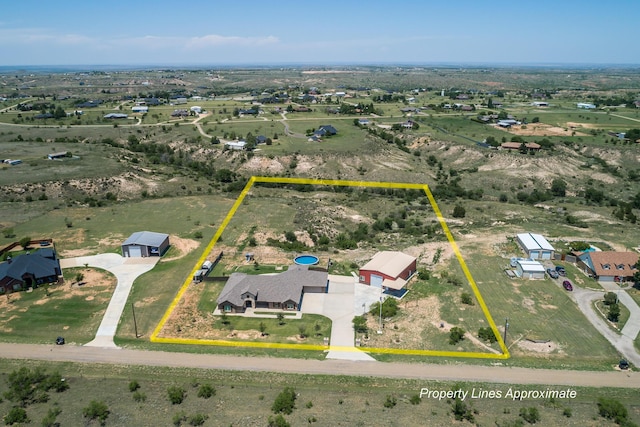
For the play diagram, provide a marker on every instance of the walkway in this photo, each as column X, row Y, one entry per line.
column 126, row 271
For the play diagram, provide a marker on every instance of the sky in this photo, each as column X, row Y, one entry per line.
column 327, row 32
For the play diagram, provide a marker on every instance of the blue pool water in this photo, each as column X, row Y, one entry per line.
column 306, row 260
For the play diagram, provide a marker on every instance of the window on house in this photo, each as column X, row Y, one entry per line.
column 606, row 266
column 620, row 266
column 362, row 278
column 227, row 308
column 289, row 306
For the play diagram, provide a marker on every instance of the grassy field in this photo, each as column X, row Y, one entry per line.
column 245, row 398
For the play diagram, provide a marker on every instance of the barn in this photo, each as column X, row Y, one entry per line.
column 535, row 246
column 527, row 269
column 145, row 244
column 388, row 269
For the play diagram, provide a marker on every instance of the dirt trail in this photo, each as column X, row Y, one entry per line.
column 491, row 374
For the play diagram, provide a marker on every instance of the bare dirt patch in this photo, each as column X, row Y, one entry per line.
column 184, row 246
column 538, row 347
column 541, row 129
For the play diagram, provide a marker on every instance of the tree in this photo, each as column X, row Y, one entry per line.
column 456, row 335
column 389, row 308
column 614, row 313
column 303, row 330
column 487, row 335
column 610, row 298
column 530, row 415
column 263, row 328
column 459, row 212
column 280, row 317
column 612, row 410
column 79, row 277
column 27, row 386
column 360, row 324
column 558, row 187
column 466, row 298
column 24, row 242
column 285, row 402
column 96, row 410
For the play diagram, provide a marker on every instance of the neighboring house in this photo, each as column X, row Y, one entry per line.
column 140, row 109
column 325, row 130
column 235, row 145
column 609, row 266
column 535, row 246
column 261, row 139
column 60, row 155
column 585, row 106
column 115, row 116
column 388, row 270
column 196, row 109
column 144, row 244
column 177, row 100
column 540, row 104
column 29, row 270
column 507, row 123
column 363, row 122
column 527, row 269
column 283, row 291
column 179, row 113
column 518, row 145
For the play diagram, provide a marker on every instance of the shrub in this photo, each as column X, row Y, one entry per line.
column 487, row 335
column 390, row 402
column 389, row 308
column 133, row 386
column 459, row 212
column 176, row 395
column 614, row 313
column 530, row 415
column 16, row 415
column 415, row 399
column 611, row 409
column 278, row 421
column 461, row 411
column 466, row 298
column 360, row 324
column 50, row 419
column 610, row 298
column 285, row 401
column 206, row 391
column 179, row 418
column 96, row 410
column 456, row 335
column 197, row 419
column 139, row 396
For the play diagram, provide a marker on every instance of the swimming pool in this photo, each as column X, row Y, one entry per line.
column 306, row 260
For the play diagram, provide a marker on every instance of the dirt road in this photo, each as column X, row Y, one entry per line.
column 491, row 374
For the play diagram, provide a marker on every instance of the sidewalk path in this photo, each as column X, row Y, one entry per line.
column 126, row 271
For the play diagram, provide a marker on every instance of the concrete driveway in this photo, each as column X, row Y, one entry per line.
column 126, row 271
column 340, row 305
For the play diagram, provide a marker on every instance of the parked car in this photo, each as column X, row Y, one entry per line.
column 567, row 285
column 552, row 273
column 60, row 341
column 561, row 271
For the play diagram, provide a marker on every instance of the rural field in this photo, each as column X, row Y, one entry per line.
column 571, row 176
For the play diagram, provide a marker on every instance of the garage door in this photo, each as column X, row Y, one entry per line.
column 376, row 280
column 546, row 255
column 135, row 251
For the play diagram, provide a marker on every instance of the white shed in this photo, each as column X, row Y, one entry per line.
column 529, row 269
column 535, row 246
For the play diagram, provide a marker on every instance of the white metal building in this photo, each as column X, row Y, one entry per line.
column 535, row 246
column 145, row 243
column 529, row 269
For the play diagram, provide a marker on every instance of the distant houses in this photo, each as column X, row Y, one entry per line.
column 585, row 106
column 235, row 145
column 115, row 116
column 325, row 130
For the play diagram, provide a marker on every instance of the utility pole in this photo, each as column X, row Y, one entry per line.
column 506, row 326
column 135, row 324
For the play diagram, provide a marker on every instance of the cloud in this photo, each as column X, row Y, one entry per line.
column 27, row 36
column 214, row 40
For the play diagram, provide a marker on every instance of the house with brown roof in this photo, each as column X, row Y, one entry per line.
column 283, row 291
column 609, row 266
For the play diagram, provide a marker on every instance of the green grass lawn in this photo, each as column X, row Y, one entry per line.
column 602, row 311
column 313, row 326
column 46, row 313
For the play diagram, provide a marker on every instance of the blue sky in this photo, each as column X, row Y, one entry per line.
column 163, row 32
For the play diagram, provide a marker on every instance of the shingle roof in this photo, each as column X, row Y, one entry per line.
column 146, row 238
column 34, row 264
column 280, row 287
column 609, row 263
column 391, row 263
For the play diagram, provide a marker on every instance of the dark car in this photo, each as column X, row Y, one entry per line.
column 561, row 271
column 567, row 285
column 60, row 341
column 552, row 273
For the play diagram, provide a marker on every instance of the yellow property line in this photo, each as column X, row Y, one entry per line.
column 342, row 183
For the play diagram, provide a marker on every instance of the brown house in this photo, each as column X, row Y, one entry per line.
column 29, row 271
column 283, row 291
column 609, row 266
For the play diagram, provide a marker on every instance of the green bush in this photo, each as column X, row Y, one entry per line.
column 133, row 386
column 466, row 298
column 139, row 396
column 285, row 401
column 415, row 399
column 530, row 415
column 456, row 335
column 389, row 308
column 176, row 395
column 390, row 402
column 611, row 409
column 96, row 410
column 360, row 324
column 278, row 421
column 487, row 334
column 16, row 415
column 197, row 419
column 206, row 391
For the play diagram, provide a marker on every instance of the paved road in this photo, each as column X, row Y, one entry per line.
column 471, row 373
